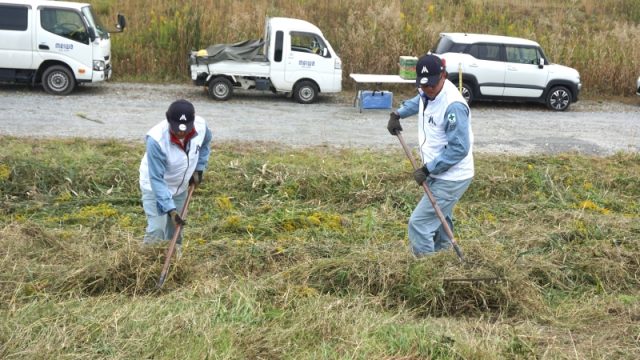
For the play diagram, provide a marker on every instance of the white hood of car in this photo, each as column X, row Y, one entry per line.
column 565, row 70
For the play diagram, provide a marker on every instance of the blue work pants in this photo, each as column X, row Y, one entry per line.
column 426, row 233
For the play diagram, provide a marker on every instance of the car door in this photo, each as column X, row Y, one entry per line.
column 62, row 35
column 524, row 78
column 308, row 57
column 488, row 67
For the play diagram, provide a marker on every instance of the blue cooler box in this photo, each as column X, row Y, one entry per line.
column 376, row 99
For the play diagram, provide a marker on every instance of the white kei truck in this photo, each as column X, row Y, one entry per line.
column 54, row 43
column 293, row 58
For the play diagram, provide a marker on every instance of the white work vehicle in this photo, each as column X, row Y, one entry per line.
column 58, row 44
column 294, row 58
column 497, row 67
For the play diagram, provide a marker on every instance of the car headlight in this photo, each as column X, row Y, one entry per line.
column 98, row 65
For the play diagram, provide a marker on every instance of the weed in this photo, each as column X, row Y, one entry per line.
column 286, row 260
column 597, row 39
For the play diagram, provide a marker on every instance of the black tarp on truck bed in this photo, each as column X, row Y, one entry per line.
column 241, row 51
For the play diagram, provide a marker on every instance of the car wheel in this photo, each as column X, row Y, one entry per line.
column 305, row 92
column 559, row 98
column 58, row 80
column 467, row 93
column 220, row 89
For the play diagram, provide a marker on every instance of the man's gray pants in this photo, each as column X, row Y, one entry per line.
column 159, row 226
column 426, row 233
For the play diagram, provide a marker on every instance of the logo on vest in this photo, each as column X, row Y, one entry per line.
column 452, row 121
column 431, row 121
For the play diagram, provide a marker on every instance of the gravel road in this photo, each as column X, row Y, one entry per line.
column 128, row 110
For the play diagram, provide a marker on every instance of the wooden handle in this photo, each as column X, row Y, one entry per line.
column 174, row 239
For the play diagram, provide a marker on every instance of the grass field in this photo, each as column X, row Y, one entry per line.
column 598, row 38
column 303, row 254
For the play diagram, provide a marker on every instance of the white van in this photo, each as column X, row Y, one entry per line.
column 58, row 44
column 293, row 58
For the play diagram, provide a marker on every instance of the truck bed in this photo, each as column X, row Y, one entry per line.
column 239, row 59
column 235, row 68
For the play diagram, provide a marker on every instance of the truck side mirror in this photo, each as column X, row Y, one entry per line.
column 541, row 63
column 92, row 34
column 325, row 52
column 122, row 22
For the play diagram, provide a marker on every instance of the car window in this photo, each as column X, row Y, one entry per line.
column 307, row 42
column 457, row 48
column 445, row 45
column 13, row 18
column 522, row 54
column 485, row 51
column 65, row 23
column 277, row 54
column 541, row 55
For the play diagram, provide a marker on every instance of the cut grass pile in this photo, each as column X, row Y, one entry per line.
column 302, row 253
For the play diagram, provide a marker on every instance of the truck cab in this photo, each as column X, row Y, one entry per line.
column 55, row 43
column 294, row 58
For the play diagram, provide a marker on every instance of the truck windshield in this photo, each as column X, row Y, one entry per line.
column 95, row 23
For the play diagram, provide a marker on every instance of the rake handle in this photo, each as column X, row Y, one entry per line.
column 174, row 239
column 432, row 199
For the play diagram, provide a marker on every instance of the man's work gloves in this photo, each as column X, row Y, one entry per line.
column 421, row 175
column 394, row 123
column 196, row 178
column 175, row 218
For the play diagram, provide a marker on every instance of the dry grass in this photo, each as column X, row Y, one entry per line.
column 598, row 38
column 284, row 260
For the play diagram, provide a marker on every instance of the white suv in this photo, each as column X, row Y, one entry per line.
column 506, row 68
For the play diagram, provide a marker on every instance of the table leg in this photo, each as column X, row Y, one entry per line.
column 355, row 98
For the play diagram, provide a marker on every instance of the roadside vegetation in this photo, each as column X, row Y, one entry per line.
column 598, row 38
column 302, row 254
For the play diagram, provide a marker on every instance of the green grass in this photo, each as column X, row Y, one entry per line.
column 302, row 254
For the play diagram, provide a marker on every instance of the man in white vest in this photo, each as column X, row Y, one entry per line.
column 446, row 148
column 177, row 152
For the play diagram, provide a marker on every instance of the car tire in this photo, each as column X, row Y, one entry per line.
column 58, row 80
column 558, row 98
column 467, row 93
column 220, row 89
column 305, row 92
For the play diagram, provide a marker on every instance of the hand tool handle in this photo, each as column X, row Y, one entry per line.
column 174, row 239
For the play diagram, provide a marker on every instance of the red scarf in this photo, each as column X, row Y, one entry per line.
column 176, row 140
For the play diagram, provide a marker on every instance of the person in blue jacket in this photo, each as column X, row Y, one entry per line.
column 177, row 152
column 446, row 148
